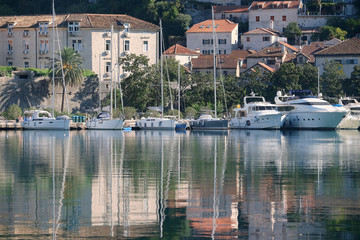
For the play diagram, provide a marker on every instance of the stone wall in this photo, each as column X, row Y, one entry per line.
column 34, row 92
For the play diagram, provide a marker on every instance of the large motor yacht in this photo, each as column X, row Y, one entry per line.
column 257, row 114
column 309, row 112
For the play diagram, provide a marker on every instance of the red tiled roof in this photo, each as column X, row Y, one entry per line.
column 262, row 65
column 262, row 31
column 231, row 9
column 289, row 46
column 272, row 4
column 177, row 49
column 348, row 47
column 223, row 25
column 86, row 21
column 312, row 47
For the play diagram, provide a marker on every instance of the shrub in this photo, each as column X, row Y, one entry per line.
column 12, row 112
column 190, row 112
column 89, row 73
column 39, row 72
column 130, row 112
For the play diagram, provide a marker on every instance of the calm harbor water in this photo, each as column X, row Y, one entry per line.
column 166, row 184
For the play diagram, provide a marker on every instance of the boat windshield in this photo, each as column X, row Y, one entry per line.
column 262, row 108
column 103, row 115
column 347, row 101
column 254, row 99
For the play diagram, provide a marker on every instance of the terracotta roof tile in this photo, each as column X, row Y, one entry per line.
column 231, row 9
column 312, row 47
column 259, row 31
column 180, row 50
column 348, row 47
column 275, row 4
column 86, row 21
column 261, row 65
column 290, row 46
column 223, row 25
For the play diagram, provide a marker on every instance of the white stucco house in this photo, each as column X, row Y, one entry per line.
column 347, row 53
column 273, row 14
column 182, row 54
column 260, row 38
column 200, row 36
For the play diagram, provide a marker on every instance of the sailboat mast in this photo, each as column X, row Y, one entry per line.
column 111, row 72
column 53, row 59
column 161, row 67
column 179, row 89
column 214, row 54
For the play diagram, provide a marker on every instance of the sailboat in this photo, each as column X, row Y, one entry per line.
column 155, row 122
column 41, row 119
column 206, row 121
column 180, row 124
column 104, row 120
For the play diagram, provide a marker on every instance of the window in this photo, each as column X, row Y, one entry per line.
column 10, row 45
column 301, row 59
column 77, row 45
column 145, row 46
column 207, row 52
column 127, row 64
column 10, row 27
column 43, row 28
column 272, row 18
column 126, row 27
column 46, row 64
column 206, row 41
column 44, row 46
column 351, row 61
column 26, row 33
column 225, row 73
column 257, row 19
column 284, row 18
column 222, row 41
column 107, row 45
column 74, row 27
column 127, row 46
column 26, row 45
column 266, row 39
column 224, row 51
column 26, row 64
column 223, row 16
column 10, row 64
column 248, row 39
column 108, row 67
column 219, row 51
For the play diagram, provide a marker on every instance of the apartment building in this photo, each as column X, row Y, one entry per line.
column 200, row 36
column 26, row 41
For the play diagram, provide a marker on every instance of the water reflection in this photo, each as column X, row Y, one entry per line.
column 167, row 184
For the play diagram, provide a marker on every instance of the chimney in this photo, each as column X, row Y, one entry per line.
column 197, row 50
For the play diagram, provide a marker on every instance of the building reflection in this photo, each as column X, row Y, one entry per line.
column 163, row 184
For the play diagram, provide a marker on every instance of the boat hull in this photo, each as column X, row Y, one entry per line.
column 105, row 124
column 268, row 121
column 350, row 123
column 156, row 124
column 313, row 120
column 46, row 124
column 209, row 124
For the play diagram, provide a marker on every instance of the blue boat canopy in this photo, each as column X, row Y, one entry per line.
column 103, row 115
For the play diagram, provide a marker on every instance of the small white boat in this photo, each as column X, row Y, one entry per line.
column 43, row 120
column 309, row 112
column 156, row 123
column 352, row 120
column 257, row 114
column 103, row 121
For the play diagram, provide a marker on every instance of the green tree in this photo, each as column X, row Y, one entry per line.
column 331, row 82
column 329, row 32
column 293, row 33
column 140, row 88
column 68, row 65
column 12, row 112
column 352, row 85
column 286, row 78
column 308, row 77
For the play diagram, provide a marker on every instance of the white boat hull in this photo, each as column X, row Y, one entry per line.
column 156, row 123
column 105, row 124
column 313, row 120
column 350, row 122
column 46, row 124
column 268, row 121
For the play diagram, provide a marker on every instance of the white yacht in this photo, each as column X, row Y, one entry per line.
column 43, row 120
column 352, row 120
column 309, row 112
column 257, row 114
column 103, row 121
column 156, row 123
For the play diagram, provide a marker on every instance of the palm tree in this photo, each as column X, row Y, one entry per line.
column 69, row 65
